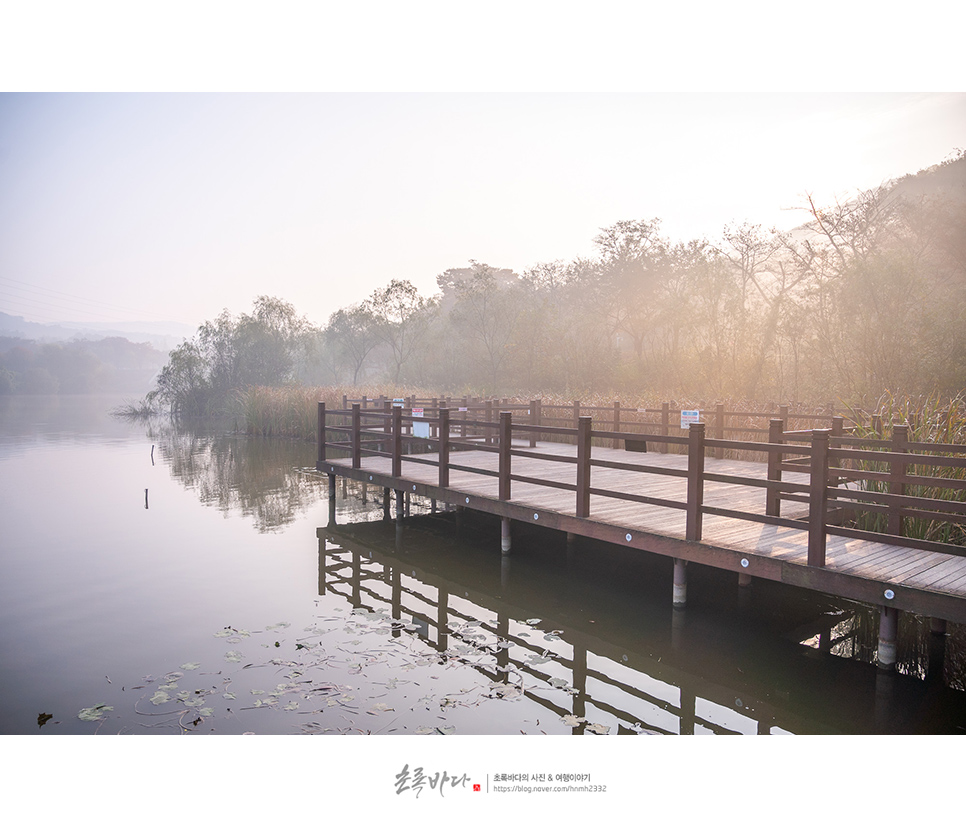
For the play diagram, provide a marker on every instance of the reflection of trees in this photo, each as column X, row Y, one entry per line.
column 258, row 477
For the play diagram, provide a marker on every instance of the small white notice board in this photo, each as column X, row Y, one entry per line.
column 690, row 416
column 420, row 427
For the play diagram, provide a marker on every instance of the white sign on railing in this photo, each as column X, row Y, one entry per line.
column 690, row 416
column 417, row 412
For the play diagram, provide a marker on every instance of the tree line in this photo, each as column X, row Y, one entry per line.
column 79, row 366
column 869, row 296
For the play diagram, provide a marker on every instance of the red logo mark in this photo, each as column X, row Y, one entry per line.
column 476, row 787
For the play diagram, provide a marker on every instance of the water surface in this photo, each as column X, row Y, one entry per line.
column 186, row 579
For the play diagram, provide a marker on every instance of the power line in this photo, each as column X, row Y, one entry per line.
column 50, row 298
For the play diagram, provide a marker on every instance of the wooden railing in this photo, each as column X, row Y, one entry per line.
column 721, row 423
column 841, row 468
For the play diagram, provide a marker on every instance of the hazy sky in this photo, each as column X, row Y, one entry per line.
column 120, row 206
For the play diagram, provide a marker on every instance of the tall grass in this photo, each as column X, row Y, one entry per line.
column 292, row 411
column 931, row 420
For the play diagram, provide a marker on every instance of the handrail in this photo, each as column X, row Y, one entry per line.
column 822, row 494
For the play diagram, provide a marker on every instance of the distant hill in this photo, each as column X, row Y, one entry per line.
column 162, row 335
column 945, row 180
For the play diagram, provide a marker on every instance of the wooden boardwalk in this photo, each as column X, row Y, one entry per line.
column 713, row 513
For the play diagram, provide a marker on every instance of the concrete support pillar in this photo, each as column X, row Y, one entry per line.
column 504, row 536
column 888, row 631
column 679, row 596
column 386, row 501
column 744, row 579
column 937, row 626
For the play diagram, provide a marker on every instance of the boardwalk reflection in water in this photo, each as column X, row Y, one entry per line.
column 601, row 650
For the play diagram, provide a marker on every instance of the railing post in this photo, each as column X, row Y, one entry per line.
column 719, row 427
column 897, row 476
column 817, row 495
column 396, row 441
column 444, row 447
column 695, row 481
column 534, row 420
column 465, row 417
column 576, row 413
column 583, row 466
column 320, row 441
column 345, row 402
column 506, row 434
column 488, row 418
column 773, row 500
column 665, row 424
column 356, row 436
column 617, row 423
column 432, row 429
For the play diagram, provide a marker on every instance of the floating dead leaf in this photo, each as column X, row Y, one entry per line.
column 572, row 720
column 599, row 729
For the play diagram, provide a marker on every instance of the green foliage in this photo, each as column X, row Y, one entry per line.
column 230, row 353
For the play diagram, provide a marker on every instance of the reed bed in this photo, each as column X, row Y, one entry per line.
column 931, row 419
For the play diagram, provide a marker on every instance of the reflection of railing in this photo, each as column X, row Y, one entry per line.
column 571, row 674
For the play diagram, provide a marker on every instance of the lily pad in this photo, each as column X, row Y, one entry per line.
column 95, row 713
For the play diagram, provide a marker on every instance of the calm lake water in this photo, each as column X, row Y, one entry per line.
column 162, row 581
